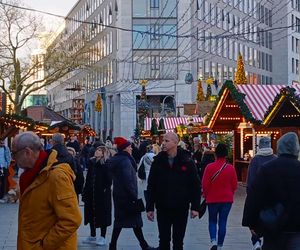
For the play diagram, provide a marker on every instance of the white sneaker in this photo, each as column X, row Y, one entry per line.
column 257, row 246
column 101, row 241
column 90, row 240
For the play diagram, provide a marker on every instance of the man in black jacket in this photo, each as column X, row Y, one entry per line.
column 277, row 183
column 173, row 185
column 63, row 155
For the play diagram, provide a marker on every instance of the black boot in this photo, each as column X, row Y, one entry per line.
column 112, row 247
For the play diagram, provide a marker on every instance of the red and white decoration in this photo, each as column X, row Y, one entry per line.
column 260, row 97
column 171, row 122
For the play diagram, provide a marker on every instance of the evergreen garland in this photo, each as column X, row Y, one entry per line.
column 290, row 94
column 238, row 97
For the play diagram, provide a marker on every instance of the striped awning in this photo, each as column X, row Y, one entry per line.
column 171, row 122
column 260, row 97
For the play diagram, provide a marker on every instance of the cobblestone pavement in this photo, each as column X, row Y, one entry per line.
column 197, row 238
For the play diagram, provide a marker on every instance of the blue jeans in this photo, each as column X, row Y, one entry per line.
column 218, row 214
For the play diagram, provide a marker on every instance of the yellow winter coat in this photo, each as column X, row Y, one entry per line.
column 49, row 214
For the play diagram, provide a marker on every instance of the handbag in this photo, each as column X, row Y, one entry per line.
column 203, row 204
column 135, row 207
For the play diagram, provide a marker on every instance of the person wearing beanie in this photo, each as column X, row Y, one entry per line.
column 125, row 192
column 264, row 154
column 277, row 182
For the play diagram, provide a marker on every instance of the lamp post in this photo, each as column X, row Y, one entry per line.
column 142, row 105
column 163, row 103
column 188, row 79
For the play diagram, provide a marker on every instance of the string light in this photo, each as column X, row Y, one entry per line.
column 222, row 132
column 290, row 116
column 230, row 118
column 231, row 106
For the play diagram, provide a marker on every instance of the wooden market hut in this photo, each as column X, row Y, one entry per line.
column 11, row 124
column 284, row 113
column 240, row 109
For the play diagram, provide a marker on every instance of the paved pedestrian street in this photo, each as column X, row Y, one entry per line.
column 197, row 238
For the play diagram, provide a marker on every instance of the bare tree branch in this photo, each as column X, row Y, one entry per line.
column 21, row 77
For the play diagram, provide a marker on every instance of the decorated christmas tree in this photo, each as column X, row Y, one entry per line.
column 200, row 94
column 240, row 75
column 98, row 103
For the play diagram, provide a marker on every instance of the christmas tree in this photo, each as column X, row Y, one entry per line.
column 240, row 75
column 200, row 94
column 98, row 103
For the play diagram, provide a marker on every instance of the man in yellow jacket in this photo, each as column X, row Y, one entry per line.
column 49, row 214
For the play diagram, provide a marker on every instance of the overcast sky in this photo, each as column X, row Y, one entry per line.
column 60, row 7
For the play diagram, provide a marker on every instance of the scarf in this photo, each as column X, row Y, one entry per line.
column 30, row 174
column 265, row 151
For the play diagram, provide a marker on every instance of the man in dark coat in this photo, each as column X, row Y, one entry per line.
column 73, row 143
column 264, row 154
column 85, row 153
column 63, row 156
column 277, row 184
column 173, row 188
column 125, row 193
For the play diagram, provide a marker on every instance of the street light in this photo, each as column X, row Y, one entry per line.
column 190, row 81
column 163, row 103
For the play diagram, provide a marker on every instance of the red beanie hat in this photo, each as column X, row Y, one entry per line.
column 122, row 143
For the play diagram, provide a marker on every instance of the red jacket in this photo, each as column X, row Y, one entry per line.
column 222, row 188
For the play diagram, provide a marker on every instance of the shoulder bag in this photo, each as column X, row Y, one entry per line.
column 203, row 204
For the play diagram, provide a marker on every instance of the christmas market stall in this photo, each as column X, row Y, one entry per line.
column 240, row 110
column 11, row 124
column 86, row 131
column 284, row 113
column 183, row 125
column 65, row 127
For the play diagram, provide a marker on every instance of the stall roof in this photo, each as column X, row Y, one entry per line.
column 171, row 122
column 285, row 110
column 254, row 100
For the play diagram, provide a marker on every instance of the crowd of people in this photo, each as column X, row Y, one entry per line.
column 175, row 177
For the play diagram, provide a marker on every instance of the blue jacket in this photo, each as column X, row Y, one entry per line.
column 255, row 165
column 5, row 162
column 125, row 190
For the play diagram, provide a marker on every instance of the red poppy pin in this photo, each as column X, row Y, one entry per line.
column 183, row 168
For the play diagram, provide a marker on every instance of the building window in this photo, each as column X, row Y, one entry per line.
column 154, row 61
column 298, row 25
column 154, row 4
column 154, row 29
column 293, row 65
column 293, row 44
column 297, row 66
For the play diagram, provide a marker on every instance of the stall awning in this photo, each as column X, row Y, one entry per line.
column 259, row 98
column 171, row 122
